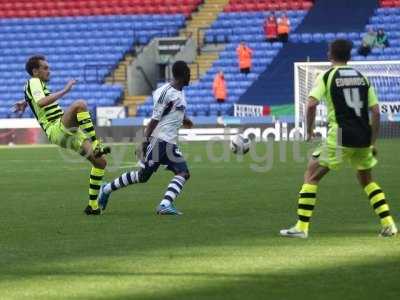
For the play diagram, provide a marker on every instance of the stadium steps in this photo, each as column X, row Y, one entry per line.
column 203, row 62
column 132, row 103
column 119, row 74
column 203, row 18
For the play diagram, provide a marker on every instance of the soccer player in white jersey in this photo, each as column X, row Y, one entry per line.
column 159, row 146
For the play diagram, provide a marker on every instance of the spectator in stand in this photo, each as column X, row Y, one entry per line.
column 219, row 87
column 245, row 55
column 283, row 28
column 381, row 39
column 271, row 29
column 368, row 42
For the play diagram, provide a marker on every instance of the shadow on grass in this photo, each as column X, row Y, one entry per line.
column 372, row 280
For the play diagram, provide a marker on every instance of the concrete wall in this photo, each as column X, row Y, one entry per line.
column 147, row 60
column 187, row 54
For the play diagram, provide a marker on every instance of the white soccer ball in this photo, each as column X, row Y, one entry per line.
column 240, row 144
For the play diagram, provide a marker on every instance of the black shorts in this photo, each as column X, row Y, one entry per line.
column 160, row 152
column 245, row 70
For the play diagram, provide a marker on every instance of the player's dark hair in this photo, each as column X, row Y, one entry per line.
column 33, row 63
column 341, row 50
column 180, row 69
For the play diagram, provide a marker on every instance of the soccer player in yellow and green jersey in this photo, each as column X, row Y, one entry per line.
column 350, row 99
column 72, row 129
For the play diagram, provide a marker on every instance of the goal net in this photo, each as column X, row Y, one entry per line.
column 383, row 75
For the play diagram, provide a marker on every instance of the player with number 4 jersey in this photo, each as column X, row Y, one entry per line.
column 348, row 95
column 350, row 99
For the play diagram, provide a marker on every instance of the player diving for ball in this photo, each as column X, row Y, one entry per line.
column 350, row 99
column 159, row 146
column 72, row 128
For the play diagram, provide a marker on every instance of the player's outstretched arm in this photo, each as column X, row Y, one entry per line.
column 55, row 96
column 19, row 106
column 311, row 110
column 150, row 128
column 375, row 125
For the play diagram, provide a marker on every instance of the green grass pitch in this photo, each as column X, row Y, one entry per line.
column 225, row 246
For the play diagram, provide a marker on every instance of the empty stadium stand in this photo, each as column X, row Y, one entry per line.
column 85, row 39
column 60, row 8
column 343, row 16
column 267, row 5
column 82, row 39
column 271, row 79
column 389, row 3
column 232, row 28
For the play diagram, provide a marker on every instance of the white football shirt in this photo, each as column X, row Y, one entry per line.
column 169, row 109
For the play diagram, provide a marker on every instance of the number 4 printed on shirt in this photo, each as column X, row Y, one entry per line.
column 352, row 97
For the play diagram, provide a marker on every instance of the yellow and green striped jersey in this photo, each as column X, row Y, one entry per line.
column 35, row 90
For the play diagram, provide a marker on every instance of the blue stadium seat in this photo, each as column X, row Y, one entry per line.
column 394, row 42
column 306, row 37
column 329, row 36
column 377, row 51
column 353, row 36
column 318, row 37
column 341, row 35
column 221, row 38
column 294, row 37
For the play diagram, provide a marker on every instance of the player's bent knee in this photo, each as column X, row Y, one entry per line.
column 185, row 175
column 143, row 176
column 100, row 163
column 312, row 177
column 80, row 105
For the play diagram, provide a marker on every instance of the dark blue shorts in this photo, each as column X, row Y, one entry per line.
column 160, row 152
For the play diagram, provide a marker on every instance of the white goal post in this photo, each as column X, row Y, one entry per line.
column 383, row 75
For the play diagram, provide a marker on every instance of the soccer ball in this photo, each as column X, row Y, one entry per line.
column 240, row 144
